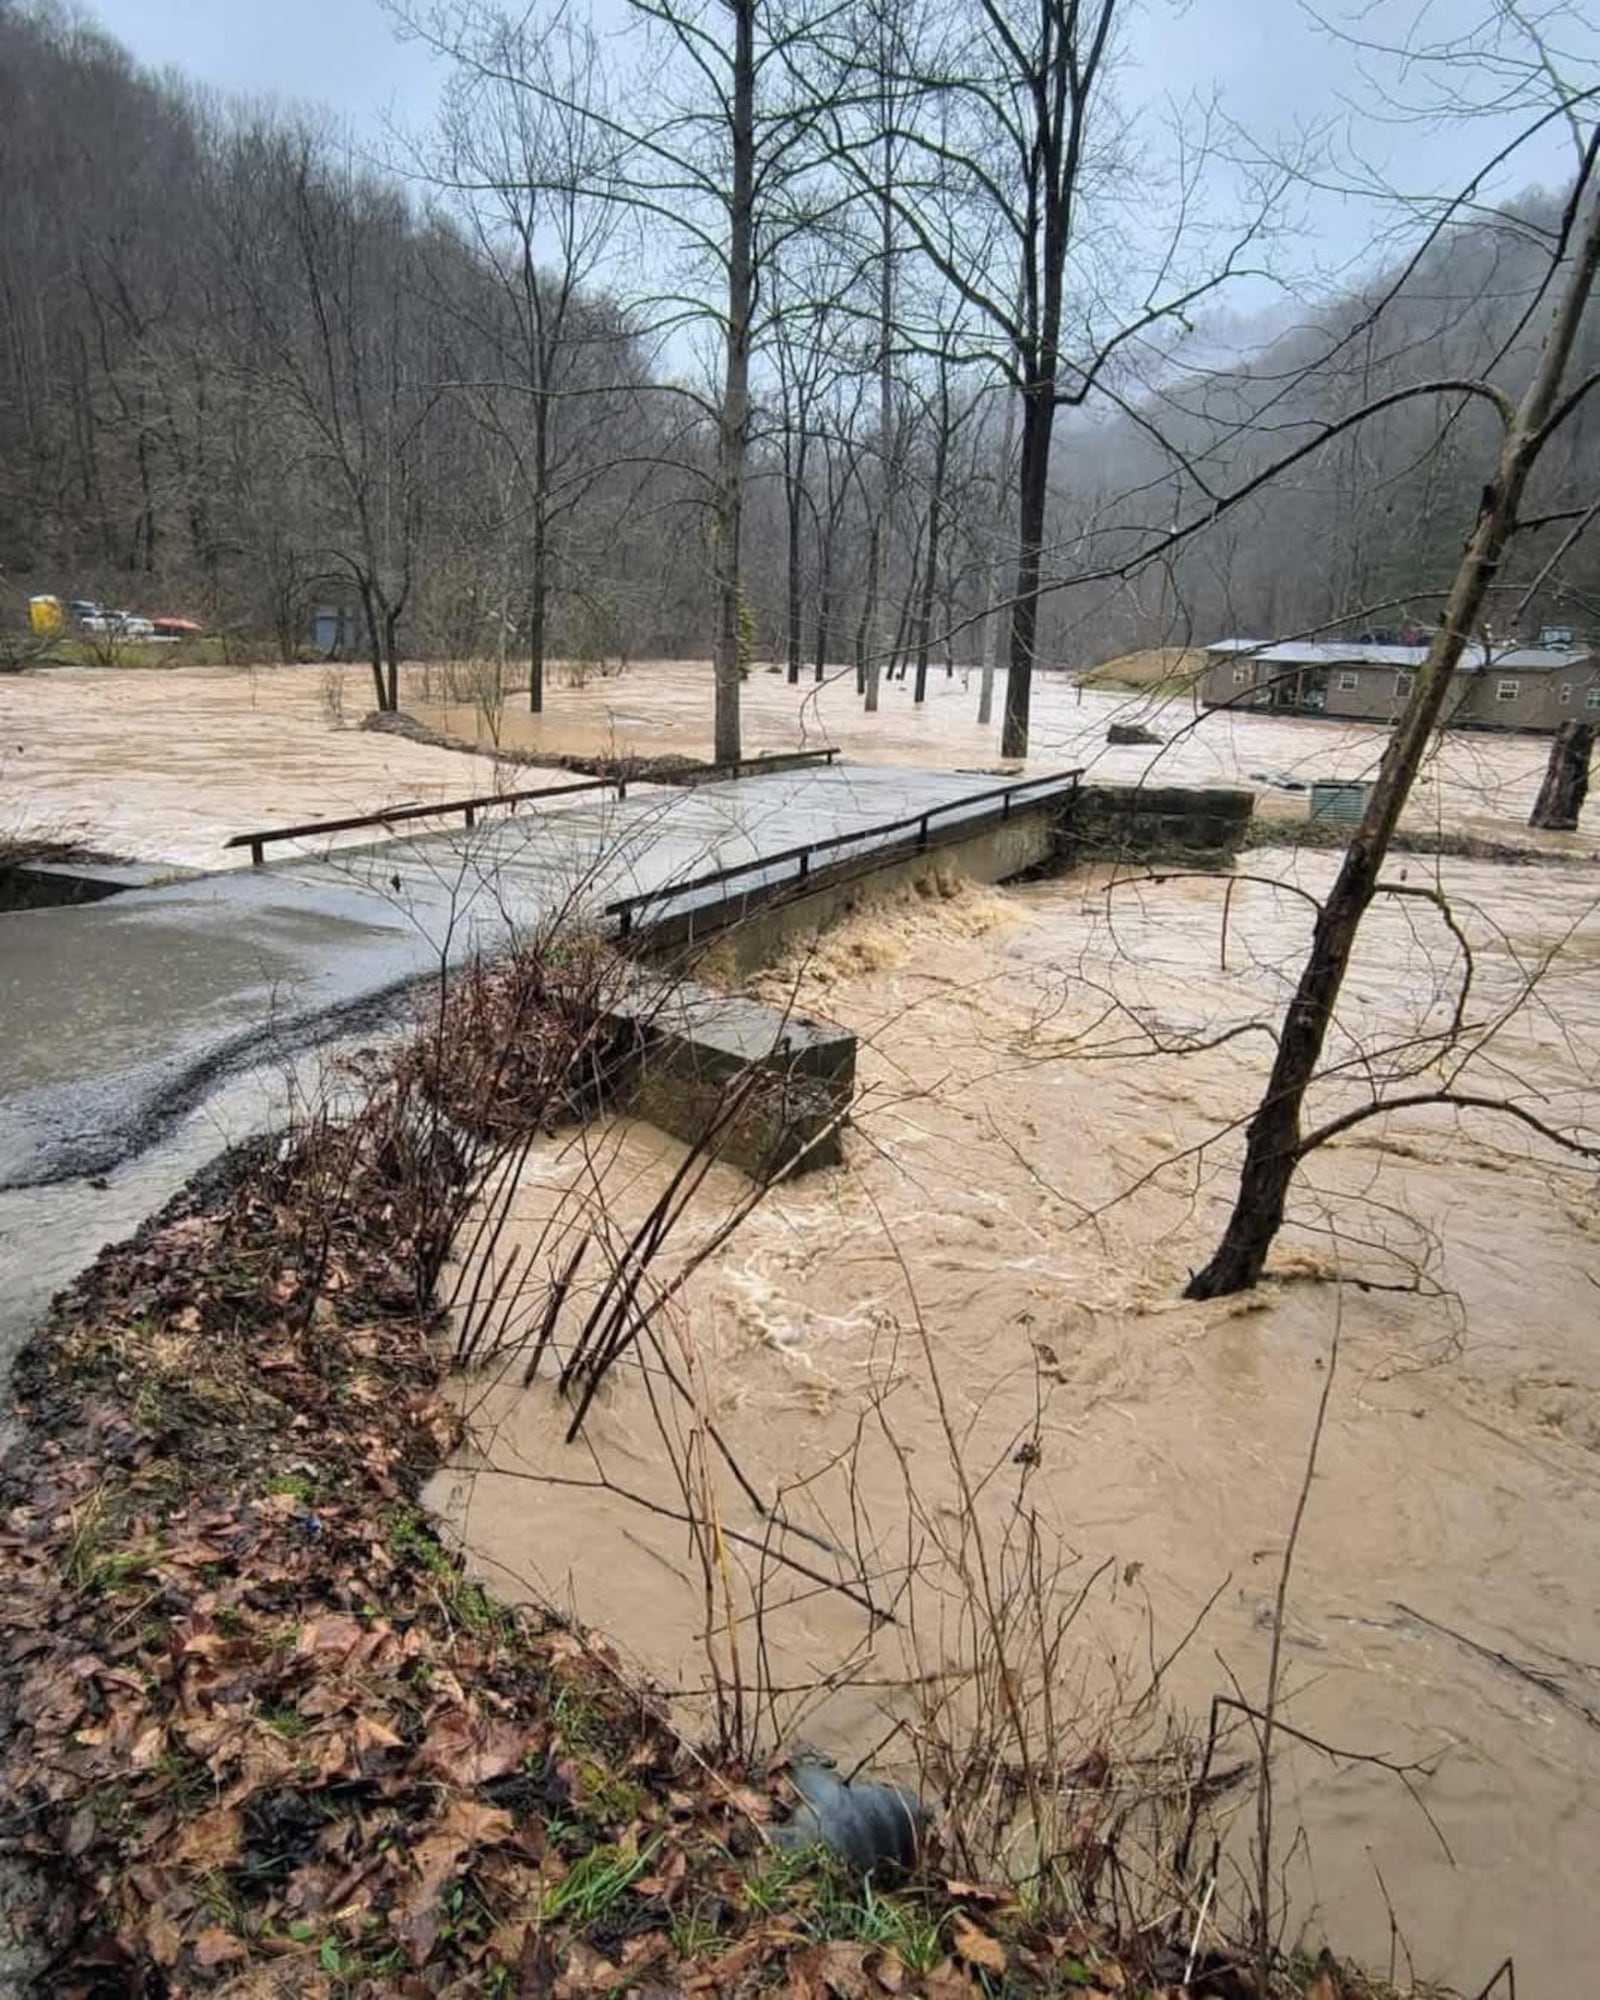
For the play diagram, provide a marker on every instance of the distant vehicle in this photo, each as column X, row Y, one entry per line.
column 81, row 609
column 125, row 624
column 176, row 628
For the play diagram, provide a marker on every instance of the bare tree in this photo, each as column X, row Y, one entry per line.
column 1276, row 1141
column 525, row 152
column 1007, row 145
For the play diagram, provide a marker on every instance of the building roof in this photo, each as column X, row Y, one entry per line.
column 1361, row 653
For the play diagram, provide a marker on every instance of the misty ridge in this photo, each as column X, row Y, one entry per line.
column 244, row 378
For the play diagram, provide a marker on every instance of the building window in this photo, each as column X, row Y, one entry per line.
column 1507, row 690
column 1402, row 685
column 1349, row 682
column 1592, row 698
column 1241, row 675
column 1566, row 693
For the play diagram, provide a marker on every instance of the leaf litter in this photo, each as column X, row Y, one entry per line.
column 264, row 1736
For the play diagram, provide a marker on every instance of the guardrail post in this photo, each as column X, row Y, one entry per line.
column 471, row 815
column 257, row 853
column 622, row 788
column 805, row 865
column 922, row 831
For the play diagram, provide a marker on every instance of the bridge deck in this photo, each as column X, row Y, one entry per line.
column 117, row 1014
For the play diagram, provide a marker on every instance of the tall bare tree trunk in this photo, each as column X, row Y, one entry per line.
column 1038, row 421
column 930, row 581
column 734, row 426
column 824, row 604
column 794, row 639
column 886, row 437
column 539, row 553
column 991, row 622
column 1272, row 1150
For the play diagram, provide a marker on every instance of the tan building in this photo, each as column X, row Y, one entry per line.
column 1502, row 687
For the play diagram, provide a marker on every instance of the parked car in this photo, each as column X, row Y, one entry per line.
column 123, row 624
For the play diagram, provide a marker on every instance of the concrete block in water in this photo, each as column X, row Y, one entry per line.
column 775, row 1087
column 1186, row 825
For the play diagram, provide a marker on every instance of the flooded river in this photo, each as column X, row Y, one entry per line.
column 1035, row 1169
column 166, row 764
column 984, row 1302
column 1480, row 783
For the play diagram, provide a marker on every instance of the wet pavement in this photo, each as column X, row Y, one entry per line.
column 121, row 1015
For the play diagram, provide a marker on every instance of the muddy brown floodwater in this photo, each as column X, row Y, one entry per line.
column 1023, row 1186
column 165, row 764
column 1478, row 783
column 1039, row 1158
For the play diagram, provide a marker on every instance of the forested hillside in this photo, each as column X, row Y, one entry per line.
column 241, row 376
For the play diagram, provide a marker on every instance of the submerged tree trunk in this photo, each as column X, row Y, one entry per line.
column 900, row 647
column 536, row 638
column 391, row 657
column 369, row 615
column 1273, row 1145
column 1566, row 779
column 869, row 605
column 824, row 607
column 795, row 645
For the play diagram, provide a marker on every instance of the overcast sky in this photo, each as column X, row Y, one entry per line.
column 1273, row 69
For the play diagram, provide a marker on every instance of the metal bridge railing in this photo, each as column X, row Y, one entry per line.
column 921, row 825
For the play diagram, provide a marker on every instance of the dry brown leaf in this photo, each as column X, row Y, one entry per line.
column 148, row 1747
column 948, row 1982
column 369, row 1733
column 163, row 1937
column 585, row 1971
column 978, row 1947
column 536, row 1966
column 836, row 1969
column 889, row 1972
column 1323, row 1988
column 470, row 1749
column 644, row 1949
column 212, row 1840
column 987, row 1895
column 218, row 1947
column 721, row 1972
column 333, row 1634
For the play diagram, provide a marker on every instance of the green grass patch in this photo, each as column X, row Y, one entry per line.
column 593, row 1884
column 905, row 1925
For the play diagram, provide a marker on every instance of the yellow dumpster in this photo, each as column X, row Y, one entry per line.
column 44, row 616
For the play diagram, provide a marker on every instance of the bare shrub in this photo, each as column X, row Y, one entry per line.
column 480, row 684
column 332, row 693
